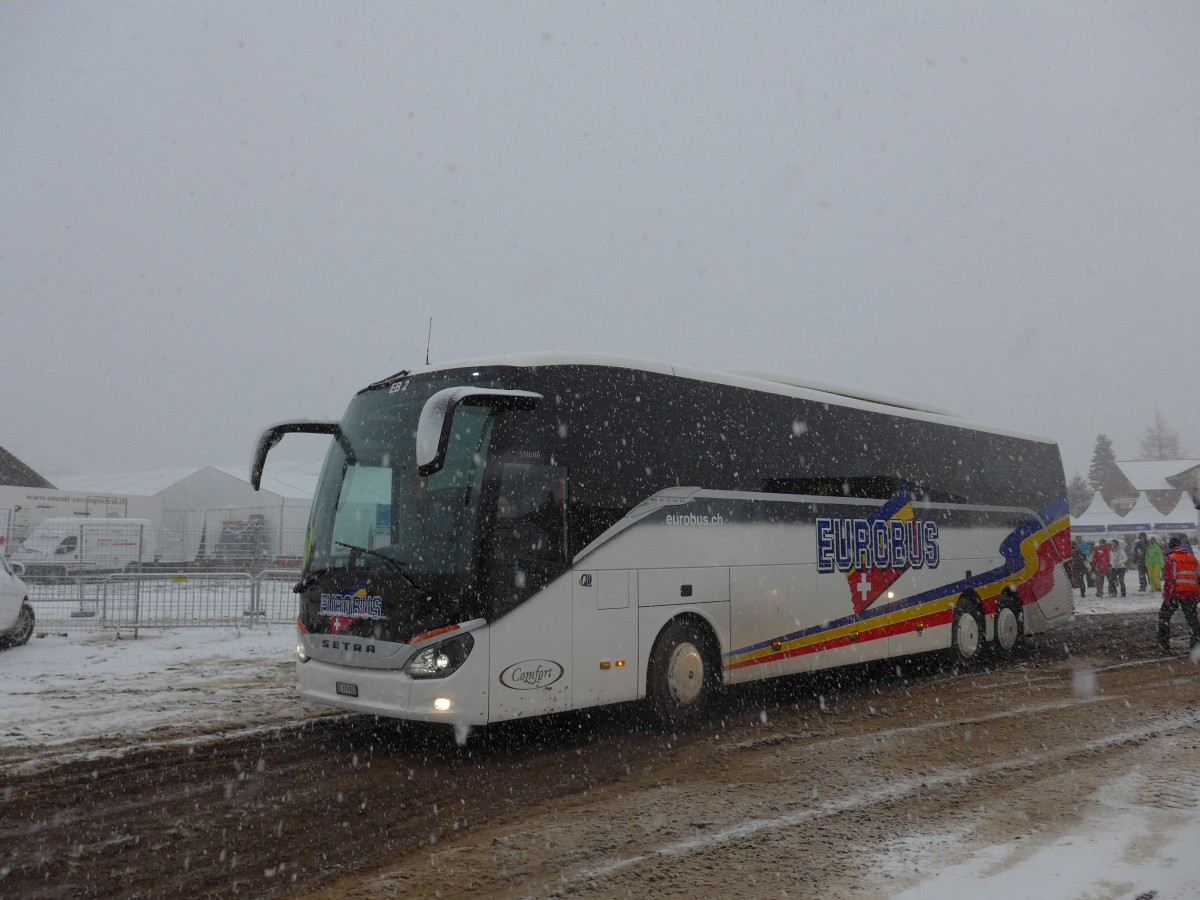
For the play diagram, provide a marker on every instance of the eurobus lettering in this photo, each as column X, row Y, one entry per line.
column 520, row 536
column 844, row 544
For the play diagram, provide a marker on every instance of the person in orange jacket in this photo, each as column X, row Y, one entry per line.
column 1181, row 590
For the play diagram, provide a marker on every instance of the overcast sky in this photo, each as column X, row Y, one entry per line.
column 217, row 215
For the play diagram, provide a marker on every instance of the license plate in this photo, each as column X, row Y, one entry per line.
column 346, row 689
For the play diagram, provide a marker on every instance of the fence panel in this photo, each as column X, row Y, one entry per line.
column 163, row 600
column 66, row 603
column 274, row 600
column 177, row 600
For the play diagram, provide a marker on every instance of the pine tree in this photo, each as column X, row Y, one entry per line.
column 1079, row 494
column 1160, row 441
column 1104, row 465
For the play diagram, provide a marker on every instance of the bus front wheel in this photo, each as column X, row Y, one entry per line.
column 682, row 674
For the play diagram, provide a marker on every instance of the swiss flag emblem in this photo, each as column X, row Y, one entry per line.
column 338, row 624
column 867, row 585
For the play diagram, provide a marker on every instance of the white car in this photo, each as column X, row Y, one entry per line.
column 16, row 615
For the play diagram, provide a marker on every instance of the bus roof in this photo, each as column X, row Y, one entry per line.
column 751, row 379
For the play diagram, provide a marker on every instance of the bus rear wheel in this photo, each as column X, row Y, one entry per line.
column 682, row 674
column 1009, row 627
column 966, row 634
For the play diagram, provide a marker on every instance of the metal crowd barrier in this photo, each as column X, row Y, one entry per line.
column 129, row 601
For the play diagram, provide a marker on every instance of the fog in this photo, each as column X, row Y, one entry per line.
column 218, row 215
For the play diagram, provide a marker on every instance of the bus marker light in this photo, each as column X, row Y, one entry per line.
column 854, row 635
column 605, row 664
column 620, row 663
column 441, row 704
column 776, row 646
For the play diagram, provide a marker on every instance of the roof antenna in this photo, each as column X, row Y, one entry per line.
column 428, row 338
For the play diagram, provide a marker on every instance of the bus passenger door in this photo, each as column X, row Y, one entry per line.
column 531, row 656
column 605, row 636
column 530, row 582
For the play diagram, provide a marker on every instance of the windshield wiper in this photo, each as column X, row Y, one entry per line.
column 304, row 583
column 397, row 566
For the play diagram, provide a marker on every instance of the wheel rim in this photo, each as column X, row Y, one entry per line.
column 1007, row 628
column 967, row 640
column 685, row 674
column 24, row 625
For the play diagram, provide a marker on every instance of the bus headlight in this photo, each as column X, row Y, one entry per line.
column 441, row 659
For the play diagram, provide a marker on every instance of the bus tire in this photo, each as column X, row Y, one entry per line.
column 1010, row 626
column 966, row 633
column 682, row 674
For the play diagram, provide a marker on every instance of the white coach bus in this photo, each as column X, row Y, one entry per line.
column 526, row 535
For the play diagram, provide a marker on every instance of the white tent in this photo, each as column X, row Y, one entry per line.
column 1144, row 517
column 1096, row 519
column 198, row 504
column 1182, row 518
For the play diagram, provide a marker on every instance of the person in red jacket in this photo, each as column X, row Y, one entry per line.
column 1101, row 563
column 1181, row 590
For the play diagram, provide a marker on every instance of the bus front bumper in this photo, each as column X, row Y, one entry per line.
column 458, row 699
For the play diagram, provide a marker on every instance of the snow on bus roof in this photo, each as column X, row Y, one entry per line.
column 753, row 379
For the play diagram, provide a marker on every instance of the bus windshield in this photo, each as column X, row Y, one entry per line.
column 374, row 511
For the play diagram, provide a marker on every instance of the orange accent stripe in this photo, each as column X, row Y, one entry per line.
column 428, row 634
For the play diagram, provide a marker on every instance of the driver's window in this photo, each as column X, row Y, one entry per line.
column 529, row 546
column 531, row 512
column 68, row 544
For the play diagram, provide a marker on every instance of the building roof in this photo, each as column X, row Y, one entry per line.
column 1153, row 474
column 15, row 472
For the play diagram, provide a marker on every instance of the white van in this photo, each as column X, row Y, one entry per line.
column 70, row 546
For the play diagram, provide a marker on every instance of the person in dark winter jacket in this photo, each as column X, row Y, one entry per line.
column 1138, row 560
column 1116, row 572
column 1079, row 568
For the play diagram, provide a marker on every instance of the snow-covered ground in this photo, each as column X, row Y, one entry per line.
column 71, row 696
column 1124, row 848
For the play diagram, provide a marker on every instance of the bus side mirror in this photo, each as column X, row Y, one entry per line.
column 273, row 435
column 437, row 417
